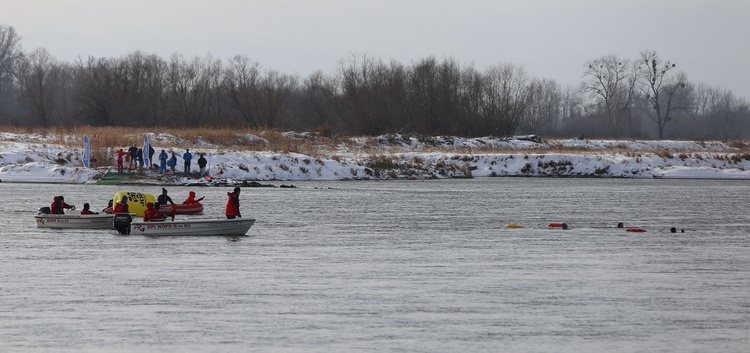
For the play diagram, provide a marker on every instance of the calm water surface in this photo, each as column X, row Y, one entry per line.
column 398, row 266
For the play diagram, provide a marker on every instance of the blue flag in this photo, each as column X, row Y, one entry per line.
column 146, row 161
column 86, row 151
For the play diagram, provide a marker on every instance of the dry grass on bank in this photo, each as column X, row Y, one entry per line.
column 104, row 138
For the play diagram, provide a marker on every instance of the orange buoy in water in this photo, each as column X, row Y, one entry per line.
column 637, row 230
column 555, row 225
column 513, row 225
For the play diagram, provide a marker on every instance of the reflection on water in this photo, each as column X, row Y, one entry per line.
column 398, row 265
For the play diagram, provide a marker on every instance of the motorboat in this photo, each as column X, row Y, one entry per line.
column 73, row 219
column 125, row 225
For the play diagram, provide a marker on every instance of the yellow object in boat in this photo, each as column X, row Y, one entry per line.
column 136, row 201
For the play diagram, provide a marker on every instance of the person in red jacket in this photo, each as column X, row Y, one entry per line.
column 191, row 200
column 59, row 206
column 120, row 154
column 87, row 209
column 232, row 209
column 152, row 214
column 122, row 206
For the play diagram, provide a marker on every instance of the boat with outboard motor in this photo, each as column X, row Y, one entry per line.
column 125, row 225
column 73, row 219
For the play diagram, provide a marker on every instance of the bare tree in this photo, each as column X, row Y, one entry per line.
column 270, row 99
column 189, row 89
column 543, row 105
column 571, row 109
column 725, row 113
column 505, row 99
column 324, row 101
column 610, row 82
column 661, row 89
column 41, row 81
column 242, row 78
column 10, row 53
column 433, row 91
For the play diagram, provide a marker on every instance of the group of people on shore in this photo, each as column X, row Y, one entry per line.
column 134, row 156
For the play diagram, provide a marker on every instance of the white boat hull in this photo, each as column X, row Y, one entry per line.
column 74, row 220
column 193, row 227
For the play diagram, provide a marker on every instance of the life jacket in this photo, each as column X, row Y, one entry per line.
column 152, row 214
column 121, row 208
column 233, row 204
column 56, row 208
column 190, row 200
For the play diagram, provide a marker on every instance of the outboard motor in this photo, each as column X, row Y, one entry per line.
column 43, row 210
column 122, row 223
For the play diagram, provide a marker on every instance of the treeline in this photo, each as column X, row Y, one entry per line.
column 641, row 98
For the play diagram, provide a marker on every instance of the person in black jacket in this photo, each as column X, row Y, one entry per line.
column 164, row 198
column 202, row 164
column 133, row 157
column 151, row 161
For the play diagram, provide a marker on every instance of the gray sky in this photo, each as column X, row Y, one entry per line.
column 708, row 39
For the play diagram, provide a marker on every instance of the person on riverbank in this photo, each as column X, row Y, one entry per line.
column 232, row 209
column 202, row 162
column 133, row 152
column 187, row 157
column 139, row 156
column 191, row 200
column 120, row 154
column 172, row 163
column 163, row 156
column 151, row 161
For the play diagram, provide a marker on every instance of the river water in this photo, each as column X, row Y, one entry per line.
column 394, row 266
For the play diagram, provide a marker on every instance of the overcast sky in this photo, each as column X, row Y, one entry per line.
column 708, row 39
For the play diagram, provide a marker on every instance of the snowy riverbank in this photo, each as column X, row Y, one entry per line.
column 40, row 159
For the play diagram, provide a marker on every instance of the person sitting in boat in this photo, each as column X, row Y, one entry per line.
column 109, row 207
column 191, row 200
column 172, row 213
column 59, row 206
column 87, row 209
column 122, row 206
column 232, row 209
column 152, row 213
column 164, row 198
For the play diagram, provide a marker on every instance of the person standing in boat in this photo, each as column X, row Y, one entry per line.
column 164, row 198
column 232, row 209
column 191, row 200
column 122, row 206
column 59, row 206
